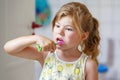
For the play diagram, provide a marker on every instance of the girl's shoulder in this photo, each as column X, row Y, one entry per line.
column 91, row 69
column 90, row 64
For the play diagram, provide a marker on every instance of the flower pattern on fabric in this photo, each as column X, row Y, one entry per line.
column 55, row 69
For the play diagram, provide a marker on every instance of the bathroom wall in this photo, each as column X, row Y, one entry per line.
column 15, row 20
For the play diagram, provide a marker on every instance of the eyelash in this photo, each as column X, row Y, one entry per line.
column 69, row 29
column 57, row 26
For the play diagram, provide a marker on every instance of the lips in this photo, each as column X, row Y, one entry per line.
column 60, row 41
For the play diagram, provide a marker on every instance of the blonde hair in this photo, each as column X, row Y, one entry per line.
column 84, row 22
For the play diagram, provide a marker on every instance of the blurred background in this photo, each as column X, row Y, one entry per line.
column 19, row 17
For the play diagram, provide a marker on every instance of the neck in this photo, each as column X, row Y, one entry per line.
column 69, row 53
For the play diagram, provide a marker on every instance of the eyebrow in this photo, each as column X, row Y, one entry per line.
column 64, row 25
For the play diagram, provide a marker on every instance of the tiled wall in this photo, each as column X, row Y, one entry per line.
column 108, row 14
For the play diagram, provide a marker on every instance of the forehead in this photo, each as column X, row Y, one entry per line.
column 66, row 20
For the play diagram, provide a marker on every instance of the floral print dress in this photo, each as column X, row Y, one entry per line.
column 57, row 69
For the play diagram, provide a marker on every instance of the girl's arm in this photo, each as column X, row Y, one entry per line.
column 91, row 70
column 23, row 47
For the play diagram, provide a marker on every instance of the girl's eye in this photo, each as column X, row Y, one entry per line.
column 69, row 29
column 57, row 26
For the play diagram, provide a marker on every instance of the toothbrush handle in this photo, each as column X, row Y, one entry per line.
column 39, row 47
column 58, row 43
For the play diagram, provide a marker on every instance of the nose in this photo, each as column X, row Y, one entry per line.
column 61, row 31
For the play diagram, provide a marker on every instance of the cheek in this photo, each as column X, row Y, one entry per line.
column 54, row 33
column 73, row 38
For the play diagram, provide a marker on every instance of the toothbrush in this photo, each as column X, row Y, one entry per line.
column 58, row 43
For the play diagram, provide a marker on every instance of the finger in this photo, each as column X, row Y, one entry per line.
column 53, row 47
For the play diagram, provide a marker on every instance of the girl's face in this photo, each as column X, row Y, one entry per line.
column 64, row 30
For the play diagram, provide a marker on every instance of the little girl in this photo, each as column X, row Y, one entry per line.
column 76, row 57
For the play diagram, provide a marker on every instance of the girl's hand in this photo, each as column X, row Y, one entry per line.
column 46, row 44
column 24, row 47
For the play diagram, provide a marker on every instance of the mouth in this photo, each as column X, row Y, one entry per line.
column 60, row 41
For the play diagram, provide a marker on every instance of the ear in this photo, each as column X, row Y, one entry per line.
column 84, row 36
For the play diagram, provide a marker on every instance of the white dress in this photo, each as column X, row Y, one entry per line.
column 57, row 69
